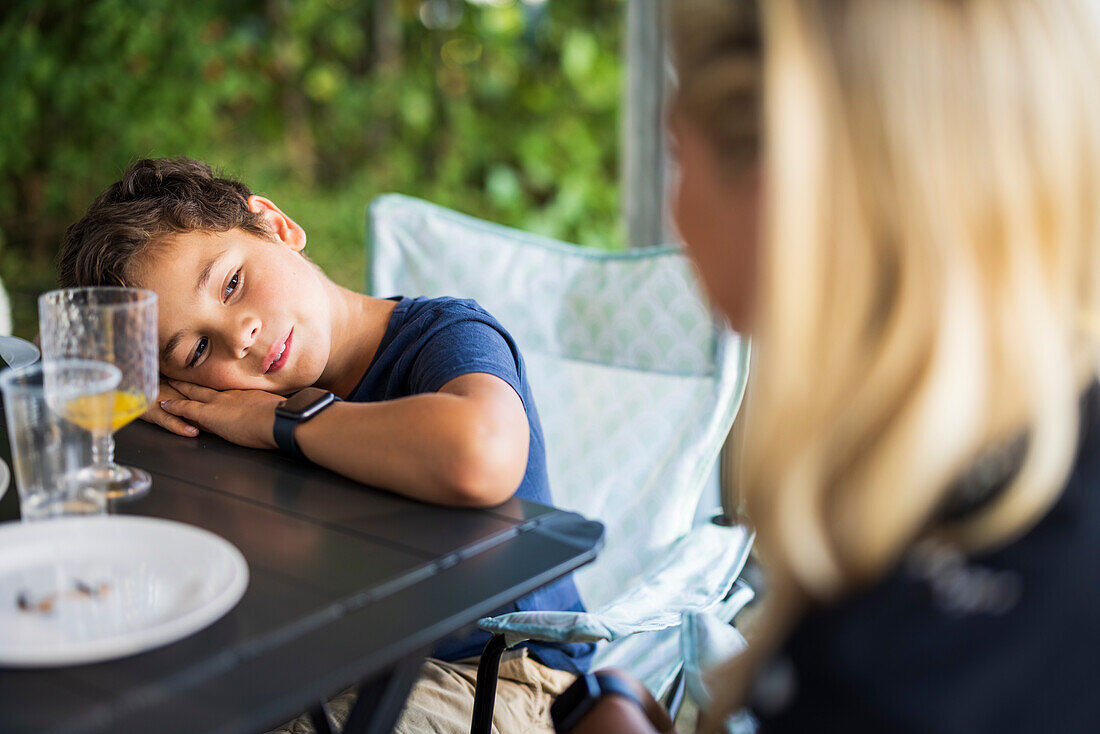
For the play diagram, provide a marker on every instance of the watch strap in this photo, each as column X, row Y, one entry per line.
column 284, row 435
column 286, row 421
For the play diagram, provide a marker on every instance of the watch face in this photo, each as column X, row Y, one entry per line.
column 306, row 402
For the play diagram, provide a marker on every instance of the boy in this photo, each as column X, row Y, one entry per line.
column 435, row 402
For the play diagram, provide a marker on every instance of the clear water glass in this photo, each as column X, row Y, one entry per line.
column 51, row 454
column 117, row 326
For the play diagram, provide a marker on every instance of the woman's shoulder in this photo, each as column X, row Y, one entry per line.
column 1001, row 641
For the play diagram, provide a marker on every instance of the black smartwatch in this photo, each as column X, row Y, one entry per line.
column 578, row 699
column 298, row 408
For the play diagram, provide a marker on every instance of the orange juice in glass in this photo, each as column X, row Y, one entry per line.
column 117, row 326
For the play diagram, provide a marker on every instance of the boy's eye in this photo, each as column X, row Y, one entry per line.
column 199, row 350
column 231, row 285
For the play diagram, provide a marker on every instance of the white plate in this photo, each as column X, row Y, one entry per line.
column 17, row 352
column 5, row 478
column 160, row 581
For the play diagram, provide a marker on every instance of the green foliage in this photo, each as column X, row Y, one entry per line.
column 505, row 110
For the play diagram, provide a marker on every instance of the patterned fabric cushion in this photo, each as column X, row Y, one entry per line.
column 707, row 639
column 639, row 310
column 693, row 576
column 635, row 382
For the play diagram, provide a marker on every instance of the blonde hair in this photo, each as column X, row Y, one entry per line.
column 931, row 176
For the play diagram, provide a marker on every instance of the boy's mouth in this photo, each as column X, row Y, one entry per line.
column 280, row 351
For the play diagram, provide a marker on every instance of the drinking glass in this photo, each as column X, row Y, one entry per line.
column 51, row 454
column 117, row 326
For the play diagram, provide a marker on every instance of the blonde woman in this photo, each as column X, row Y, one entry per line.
column 923, row 459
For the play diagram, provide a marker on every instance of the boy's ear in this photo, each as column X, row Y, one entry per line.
column 285, row 229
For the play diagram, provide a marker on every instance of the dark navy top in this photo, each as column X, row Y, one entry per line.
column 428, row 343
column 1000, row 642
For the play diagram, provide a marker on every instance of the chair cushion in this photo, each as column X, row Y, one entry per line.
column 634, row 382
column 695, row 575
column 636, row 386
column 641, row 309
column 707, row 639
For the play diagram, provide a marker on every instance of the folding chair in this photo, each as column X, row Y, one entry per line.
column 637, row 387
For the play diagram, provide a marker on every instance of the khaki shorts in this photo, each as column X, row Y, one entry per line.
column 442, row 699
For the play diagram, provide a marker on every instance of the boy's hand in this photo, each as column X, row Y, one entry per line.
column 245, row 417
column 158, row 416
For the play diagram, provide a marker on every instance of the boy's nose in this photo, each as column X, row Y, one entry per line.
column 249, row 330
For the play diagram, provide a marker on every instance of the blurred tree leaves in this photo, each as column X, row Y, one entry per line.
column 506, row 110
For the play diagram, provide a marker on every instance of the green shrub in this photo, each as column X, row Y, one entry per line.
column 506, row 110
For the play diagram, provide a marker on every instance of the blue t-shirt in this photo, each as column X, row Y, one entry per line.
column 428, row 343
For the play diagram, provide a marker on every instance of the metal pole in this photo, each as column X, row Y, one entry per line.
column 644, row 160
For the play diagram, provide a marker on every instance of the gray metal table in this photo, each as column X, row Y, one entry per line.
column 347, row 584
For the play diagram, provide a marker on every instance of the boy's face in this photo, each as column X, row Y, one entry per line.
column 239, row 312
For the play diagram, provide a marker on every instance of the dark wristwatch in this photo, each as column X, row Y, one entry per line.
column 298, row 408
column 578, row 699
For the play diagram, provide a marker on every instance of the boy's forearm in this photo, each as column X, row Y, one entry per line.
column 435, row 447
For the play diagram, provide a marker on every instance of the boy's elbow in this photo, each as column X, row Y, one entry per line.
column 486, row 472
column 482, row 494
column 482, row 484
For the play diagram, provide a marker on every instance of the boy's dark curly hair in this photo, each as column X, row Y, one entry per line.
column 155, row 198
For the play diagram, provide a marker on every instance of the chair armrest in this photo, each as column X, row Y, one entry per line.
column 694, row 576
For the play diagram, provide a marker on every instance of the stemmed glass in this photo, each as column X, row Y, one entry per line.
column 118, row 326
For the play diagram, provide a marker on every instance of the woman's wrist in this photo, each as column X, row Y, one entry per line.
column 618, row 714
column 610, row 701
